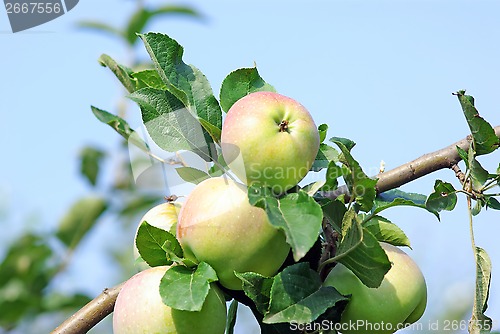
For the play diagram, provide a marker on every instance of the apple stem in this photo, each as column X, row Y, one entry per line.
column 283, row 126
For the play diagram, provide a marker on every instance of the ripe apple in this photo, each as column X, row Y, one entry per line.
column 139, row 309
column 218, row 225
column 269, row 138
column 163, row 216
column 400, row 299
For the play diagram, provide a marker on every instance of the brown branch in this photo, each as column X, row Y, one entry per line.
column 426, row 164
column 91, row 314
column 96, row 310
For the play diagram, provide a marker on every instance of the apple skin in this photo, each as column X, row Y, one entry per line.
column 258, row 149
column 163, row 216
column 139, row 309
column 218, row 225
column 400, row 299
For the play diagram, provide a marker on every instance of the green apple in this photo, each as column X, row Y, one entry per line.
column 400, row 300
column 139, row 309
column 269, row 138
column 218, row 225
column 163, row 216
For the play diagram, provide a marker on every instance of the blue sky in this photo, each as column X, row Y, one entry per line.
column 380, row 73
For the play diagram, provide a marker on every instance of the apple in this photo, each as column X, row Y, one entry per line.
column 139, row 309
column 218, row 225
column 400, row 299
column 163, row 216
column 269, row 138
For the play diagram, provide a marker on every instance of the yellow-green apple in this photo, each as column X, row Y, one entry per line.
column 218, row 225
column 163, row 216
column 400, row 299
column 269, row 138
column 139, row 309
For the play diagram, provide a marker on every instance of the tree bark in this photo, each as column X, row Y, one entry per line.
column 96, row 310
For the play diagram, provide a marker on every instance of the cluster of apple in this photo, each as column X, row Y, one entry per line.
column 272, row 140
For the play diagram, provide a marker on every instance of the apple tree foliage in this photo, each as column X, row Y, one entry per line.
column 337, row 219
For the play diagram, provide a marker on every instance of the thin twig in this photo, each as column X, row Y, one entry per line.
column 426, row 164
column 91, row 314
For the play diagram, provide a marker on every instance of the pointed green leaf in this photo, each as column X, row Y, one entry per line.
column 143, row 16
column 171, row 126
column 297, row 294
column 184, row 288
column 231, row 317
column 240, row 83
column 156, row 246
column 100, row 27
column 121, row 126
column 483, row 135
column 361, row 187
column 478, row 174
column 397, row 197
column 192, row 175
column 492, row 203
column 368, row 261
column 90, row 160
column 326, row 154
column 184, row 81
column 123, row 73
column 322, row 130
column 386, row 231
column 257, row 288
column 360, row 251
column 297, row 214
column 80, row 219
column 444, row 197
column 479, row 322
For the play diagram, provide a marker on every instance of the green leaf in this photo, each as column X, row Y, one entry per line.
column 123, row 73
column 332, row 174
column 479, row 322
column 192, row 175
column 171, row 126
column 121, row 126
column 361, row 187
column 143, row 16
column 100, row 27
column 349, row 144
column 326, row 154
column 298, row 295
column 492, row 203
column 360, row 251
column 484, row 139
column 139, row 204
column 80, row 218
column 257, row 288
column 184, row 81
column 148, row 78
column 156, row 246
column 396, row 197
column 334, row 211
column 478, row 174
column 185, row 289
column 90, row 159
column 386, row 231
column 240, row 83
column 463, row 155
column 297, row 214
column 322, row 130
column 444, row 197
column 231, row 317
column 26, row 270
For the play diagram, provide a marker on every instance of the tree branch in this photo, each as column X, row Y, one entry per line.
column 96, row 310
column 91, row 314
column 426, row 164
